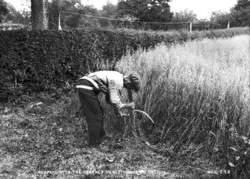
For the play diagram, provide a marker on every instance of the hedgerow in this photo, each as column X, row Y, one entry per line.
column 33, row 61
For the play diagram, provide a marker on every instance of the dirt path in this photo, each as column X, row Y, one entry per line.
column 41, row 139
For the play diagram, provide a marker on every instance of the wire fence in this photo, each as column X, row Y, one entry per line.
column 86, row 20
column 107, row 22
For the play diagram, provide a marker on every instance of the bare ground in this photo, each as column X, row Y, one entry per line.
column 41, row 138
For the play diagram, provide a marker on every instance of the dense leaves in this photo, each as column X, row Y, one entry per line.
column 3, row 10
column 184, row 16
column 220, row 19
column 109, row 10
column 71, row 12
column 241, row 13
column 42, row 60
column 45, row 60
column 149, row 10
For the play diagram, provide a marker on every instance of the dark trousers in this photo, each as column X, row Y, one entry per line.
column 92, row 110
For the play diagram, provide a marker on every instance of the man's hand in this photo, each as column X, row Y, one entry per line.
column 132, row 105
column 123, row 114
column 128, row 106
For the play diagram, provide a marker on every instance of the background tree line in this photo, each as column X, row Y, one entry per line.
column 73, row 14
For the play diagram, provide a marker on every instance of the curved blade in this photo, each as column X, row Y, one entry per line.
column 146, row 114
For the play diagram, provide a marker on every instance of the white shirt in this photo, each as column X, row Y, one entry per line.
column 114, row 82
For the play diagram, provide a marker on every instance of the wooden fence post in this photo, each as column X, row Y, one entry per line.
column 190, row 27
column 59, row 22
column 228, row 25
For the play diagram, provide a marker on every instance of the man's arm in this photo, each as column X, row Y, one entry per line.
column 131, row 104
column 116, row 101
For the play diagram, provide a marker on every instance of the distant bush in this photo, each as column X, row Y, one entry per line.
column 45, row 60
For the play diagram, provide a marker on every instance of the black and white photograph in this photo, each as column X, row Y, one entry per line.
column 117, row 89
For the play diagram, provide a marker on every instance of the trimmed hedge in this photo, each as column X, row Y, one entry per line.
column 45, row 60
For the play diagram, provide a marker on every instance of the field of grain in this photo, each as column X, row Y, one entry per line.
column 197, row 92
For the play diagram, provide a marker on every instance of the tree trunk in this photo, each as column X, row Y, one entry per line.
column 39, row 14
column 54, row 15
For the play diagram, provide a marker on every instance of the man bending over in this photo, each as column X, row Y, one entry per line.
column 110, row 83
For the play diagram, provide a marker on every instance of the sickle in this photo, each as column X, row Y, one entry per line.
column 136, row 110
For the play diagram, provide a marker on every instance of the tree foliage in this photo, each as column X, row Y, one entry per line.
column 9, row 14
column 146, row 10
column 241, row 13
column 71, row 13
column 3, row 10
column 220, row 19
column 184, row 16
column 20, row 17
column 238, row 16
column 109, row 10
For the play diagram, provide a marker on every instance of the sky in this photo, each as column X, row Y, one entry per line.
column 203, row 8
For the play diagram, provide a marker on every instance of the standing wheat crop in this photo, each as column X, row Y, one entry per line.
column 195, row 91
